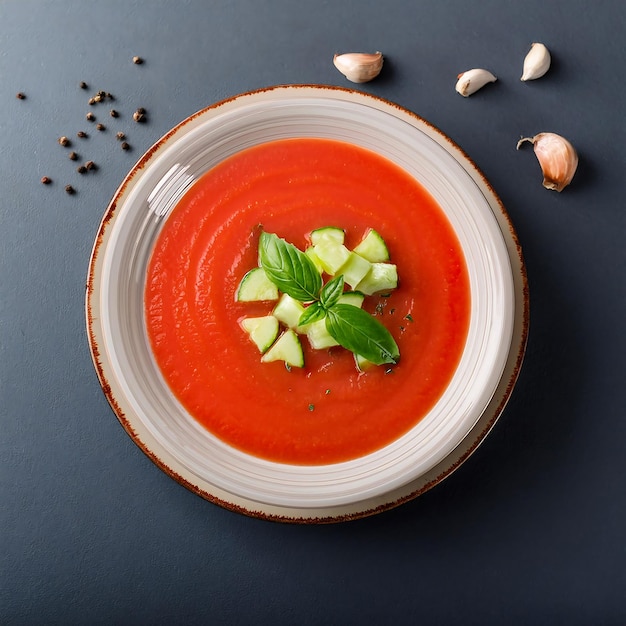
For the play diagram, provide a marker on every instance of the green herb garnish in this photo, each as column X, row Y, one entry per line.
column 289, row 268
column 331, row 292
column 294, row 273
column 359, row 332
column 312, row 313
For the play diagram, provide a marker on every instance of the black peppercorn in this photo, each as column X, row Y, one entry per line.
column 69, row 189
column 83, row 84
column 90, row 165
column 137, row 60
column 100, row 126
column 90, row 116
column 120, row 136
column 21, row 96
column 73, row 156
column 45, row 180
column 81, row 169
column 82, row 134
column 125, row 146
column 64, row 141
column 114, row 113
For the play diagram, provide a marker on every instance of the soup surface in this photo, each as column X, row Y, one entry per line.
column 328, row 411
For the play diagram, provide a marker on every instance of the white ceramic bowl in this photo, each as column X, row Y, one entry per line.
column 174, row 440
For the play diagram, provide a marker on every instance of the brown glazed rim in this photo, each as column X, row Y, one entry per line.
column 456, row 458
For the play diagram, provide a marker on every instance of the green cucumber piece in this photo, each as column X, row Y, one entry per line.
column 310, row 252
column 352, row 297
column 256, row 286
column 288, row 311
column 328, row 233
column 373, row 248
column 381, row 277
column 354, row 269
column 261, row 330
column 318, row 336
column 287, row 348
column 332, row 256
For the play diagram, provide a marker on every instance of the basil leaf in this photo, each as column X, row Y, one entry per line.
column 332, row 291
column 311, row 314
column 357, row 331
column 289, row 268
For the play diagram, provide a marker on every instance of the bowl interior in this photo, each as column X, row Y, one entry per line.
column 117, row 329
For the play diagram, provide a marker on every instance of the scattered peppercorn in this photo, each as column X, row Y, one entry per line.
column 92, row 101
column 125, row 146
column 90, row 116
column 109, row 96
column 140, row 115
column 120, row 136
column 69, row 189
column 73, row 156
column 90, row 165
column 100, row 126
column 64, row 141
column 137, row 60
column 114, row 113
column 82, row 134
column 83, row 84
column 21, row 96
column 81, row 169
column 45, row 180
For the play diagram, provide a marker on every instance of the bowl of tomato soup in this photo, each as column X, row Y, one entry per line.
column 324, row 440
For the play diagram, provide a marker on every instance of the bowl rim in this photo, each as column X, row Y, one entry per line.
column 364, row 507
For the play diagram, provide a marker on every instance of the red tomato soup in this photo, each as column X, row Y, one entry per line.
column 328, row 411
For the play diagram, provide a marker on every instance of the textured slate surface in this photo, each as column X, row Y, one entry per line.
column 529, row 530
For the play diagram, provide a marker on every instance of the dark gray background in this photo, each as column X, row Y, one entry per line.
column 530, row 530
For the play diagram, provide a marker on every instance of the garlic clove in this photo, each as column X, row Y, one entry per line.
column 359, row 67
column 471, row 81
column 536, row 63
column 557, row 157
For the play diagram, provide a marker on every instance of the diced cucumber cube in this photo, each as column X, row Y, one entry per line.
column 261, row 330
column 328, row 233
column 354, row 269
column 288, row 311
column 373, row 248
column 256, row 286
column 319, row 337
column 287, row 348
column 381, row 277
column 332, row 256
column 362, row 364
column 310, row 252
column 352, row 297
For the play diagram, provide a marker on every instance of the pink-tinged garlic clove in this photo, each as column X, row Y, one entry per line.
column 359, row 67
column 557, row 157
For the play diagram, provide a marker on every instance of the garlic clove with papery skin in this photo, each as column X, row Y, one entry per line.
column 557, row 157
column 359, row 67
column 471, row 81
column 536, row 63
